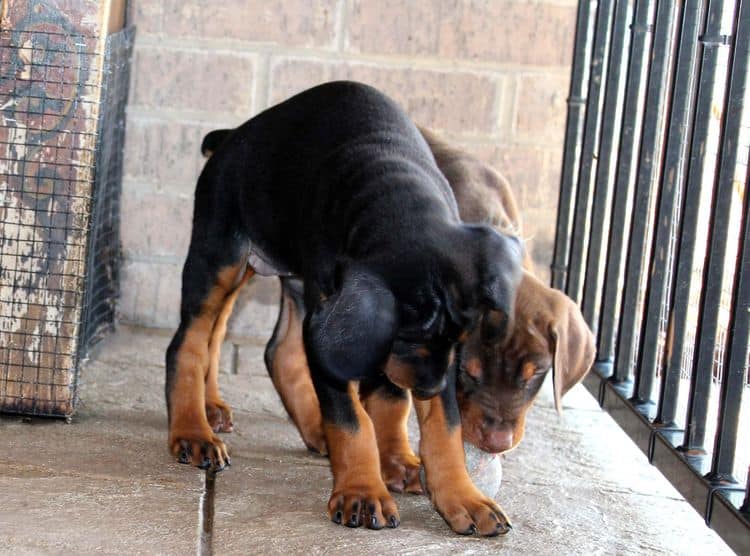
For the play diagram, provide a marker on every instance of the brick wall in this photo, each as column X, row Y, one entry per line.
column 490, row 75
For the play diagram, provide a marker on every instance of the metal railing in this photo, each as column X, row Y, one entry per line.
column 652, row 236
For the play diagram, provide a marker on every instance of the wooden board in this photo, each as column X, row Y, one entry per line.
column 51, row 66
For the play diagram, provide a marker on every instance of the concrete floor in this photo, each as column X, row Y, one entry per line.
column 106, row 484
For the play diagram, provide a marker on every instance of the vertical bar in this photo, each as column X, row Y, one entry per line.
column 590, row 139
column 734, row 368
column 670, row 191
column 681, row 280
column 640, row 30
column 611, row 118
column 713, row 271
column 732, row 385
column 745, row 508
column 649, row 152
column 573, row 138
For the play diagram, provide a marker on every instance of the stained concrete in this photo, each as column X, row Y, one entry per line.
column 106, row 484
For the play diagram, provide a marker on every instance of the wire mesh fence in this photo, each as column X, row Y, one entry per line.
column 61, row 132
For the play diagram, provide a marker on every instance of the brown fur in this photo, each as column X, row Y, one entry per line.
column 191, row 437
column 398, row 463
column 548, row 329
column 359, row 495
column 449, row 486
column 291, row 378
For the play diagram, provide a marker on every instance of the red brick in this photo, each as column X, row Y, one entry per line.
column 394, row 27
column 507, row 31
column 286, row 22
column 164, row 152
column 193, row 80
column 137, row 292
column 168, row 294
column 461, row 102
column 156, row 224
column 541, row 108
column 146, row 15
column 501, row 31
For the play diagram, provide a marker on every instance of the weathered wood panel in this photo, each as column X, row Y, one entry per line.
column 50, row 85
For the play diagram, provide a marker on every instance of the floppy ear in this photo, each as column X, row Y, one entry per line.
column 574, row 349
column 349, row 335
column 499, row 269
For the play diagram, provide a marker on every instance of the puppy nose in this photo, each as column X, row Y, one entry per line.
column 497, row 440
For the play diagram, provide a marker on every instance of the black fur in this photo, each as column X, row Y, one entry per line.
column 337, row 186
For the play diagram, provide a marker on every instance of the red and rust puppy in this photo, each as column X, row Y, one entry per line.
column 498, row 374
column 499, row 377
column 337, row 186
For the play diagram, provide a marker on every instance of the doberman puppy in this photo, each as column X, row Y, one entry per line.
column 498, row 375
column 337, row 186
column 498, row 379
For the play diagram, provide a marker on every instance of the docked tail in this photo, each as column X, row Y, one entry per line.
column 213, row 140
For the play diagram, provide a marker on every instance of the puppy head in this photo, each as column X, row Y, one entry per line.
column 499, row 377
column 483, row 276
column 475, row 270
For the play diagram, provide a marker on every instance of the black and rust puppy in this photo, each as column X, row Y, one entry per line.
column 497, row 377
column 337, row 186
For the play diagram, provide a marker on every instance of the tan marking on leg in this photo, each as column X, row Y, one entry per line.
column 291, row 377
column 398, row 463
column 453, row 493
column 218, row 412
column 359, row 495
column 190, row 435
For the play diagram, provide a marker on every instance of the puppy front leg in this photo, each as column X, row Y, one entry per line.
column 388, row 407
column 359, row 494
column 449, row 486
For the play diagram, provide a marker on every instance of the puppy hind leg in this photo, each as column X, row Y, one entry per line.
column 286, row 363
column 218, row 412
column 205, row 288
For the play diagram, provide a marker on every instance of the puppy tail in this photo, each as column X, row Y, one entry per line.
column 213, row 140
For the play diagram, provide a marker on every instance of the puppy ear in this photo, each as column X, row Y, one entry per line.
column 349, row 335
column 499, row 265
column 574, row 349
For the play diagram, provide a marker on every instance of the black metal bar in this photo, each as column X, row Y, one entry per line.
column 737, row 344
column 606, row 160
column 684, row 471
column 670, row 192
column 713, row 271
column 730, row 400
column 623, row 190
column 649, row 154
column 573, row 138
column 745, row 508
column 591, row 124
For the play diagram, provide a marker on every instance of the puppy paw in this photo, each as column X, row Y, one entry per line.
column 219, row 415
column 401, row 472
column 369, row 505
column 200, row 448
column 468, row 511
